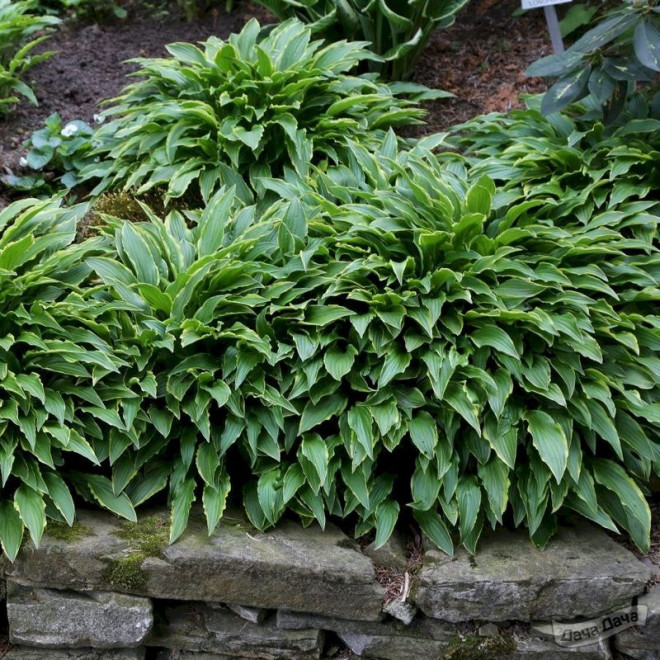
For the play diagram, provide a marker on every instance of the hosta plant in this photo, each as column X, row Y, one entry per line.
column 397, row 30
column 235, row 112
column 57, row 402
column 401, row 335
column 606, row 64
column 19, row 26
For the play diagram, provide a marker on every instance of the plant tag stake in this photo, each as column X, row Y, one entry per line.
column 551, row 19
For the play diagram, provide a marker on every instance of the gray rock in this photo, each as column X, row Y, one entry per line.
column 582, row 573
column 290, row 567
column 530, row 647
column 643, row 642
column 28, row 653
column 199, row 628
column 423, row 639
column 251, row 614
column 175, row 654
column 390, row 555
column 402, row 610
column 488, row 630
column 51, row 619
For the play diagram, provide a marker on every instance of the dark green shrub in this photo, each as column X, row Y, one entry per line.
column 606, row 64
column 241, row 110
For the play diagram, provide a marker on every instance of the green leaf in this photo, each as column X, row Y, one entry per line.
column 207, row 462
column 315, row 414
column 214, row 499
column 323, row 315
column 550, row 441
column 101, row 489
column 434, row 527
column 395, row 363
column 647, row 44
column 424, row 433
column 496, row 338
column 32, row 510
column 11, row 530
column 566, row 90
column 294, row 479
column 181, row 504
column 612, row 476
column 61, row 496
column 468, row 495
column 494, row 477
column 315, row 450
column 359, row 419
column 269, row 493
column 387, row 514
column 339, row 362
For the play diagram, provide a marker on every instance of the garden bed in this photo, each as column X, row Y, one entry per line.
column 480, row 60
column 321, row 324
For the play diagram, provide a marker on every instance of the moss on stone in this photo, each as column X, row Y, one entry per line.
column 146, row 538
column 471, row 647
column 61, row 531
column 148, row 535
column 126, row 573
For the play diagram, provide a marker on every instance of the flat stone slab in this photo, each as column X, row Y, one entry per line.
column 643, row 642
column 582, row 573
column 49, row 619
column 289, row 567
column 423, row 639
column 175, row 654
column 28, row 653
column 530, row 647
column 202, row 629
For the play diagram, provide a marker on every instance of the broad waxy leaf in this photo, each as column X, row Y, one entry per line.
column 549, row 440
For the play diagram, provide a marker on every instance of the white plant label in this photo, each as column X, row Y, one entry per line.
column 535, row 4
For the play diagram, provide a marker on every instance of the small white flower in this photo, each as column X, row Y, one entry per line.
column 99, row 119
column 22, row 161
column 69, row 130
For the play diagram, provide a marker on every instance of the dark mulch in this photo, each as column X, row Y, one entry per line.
column 481, row 60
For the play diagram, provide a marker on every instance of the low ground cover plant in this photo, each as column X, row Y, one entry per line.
column 461, row 329
column 234, row 112
column 54, row 353
column 54, row 157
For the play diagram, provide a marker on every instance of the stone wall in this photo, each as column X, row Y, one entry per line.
column 112, row 590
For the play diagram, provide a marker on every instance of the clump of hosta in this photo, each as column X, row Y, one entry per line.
column 235, row 111
column 19, row 27
column 59, row 397
column 400, row 336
